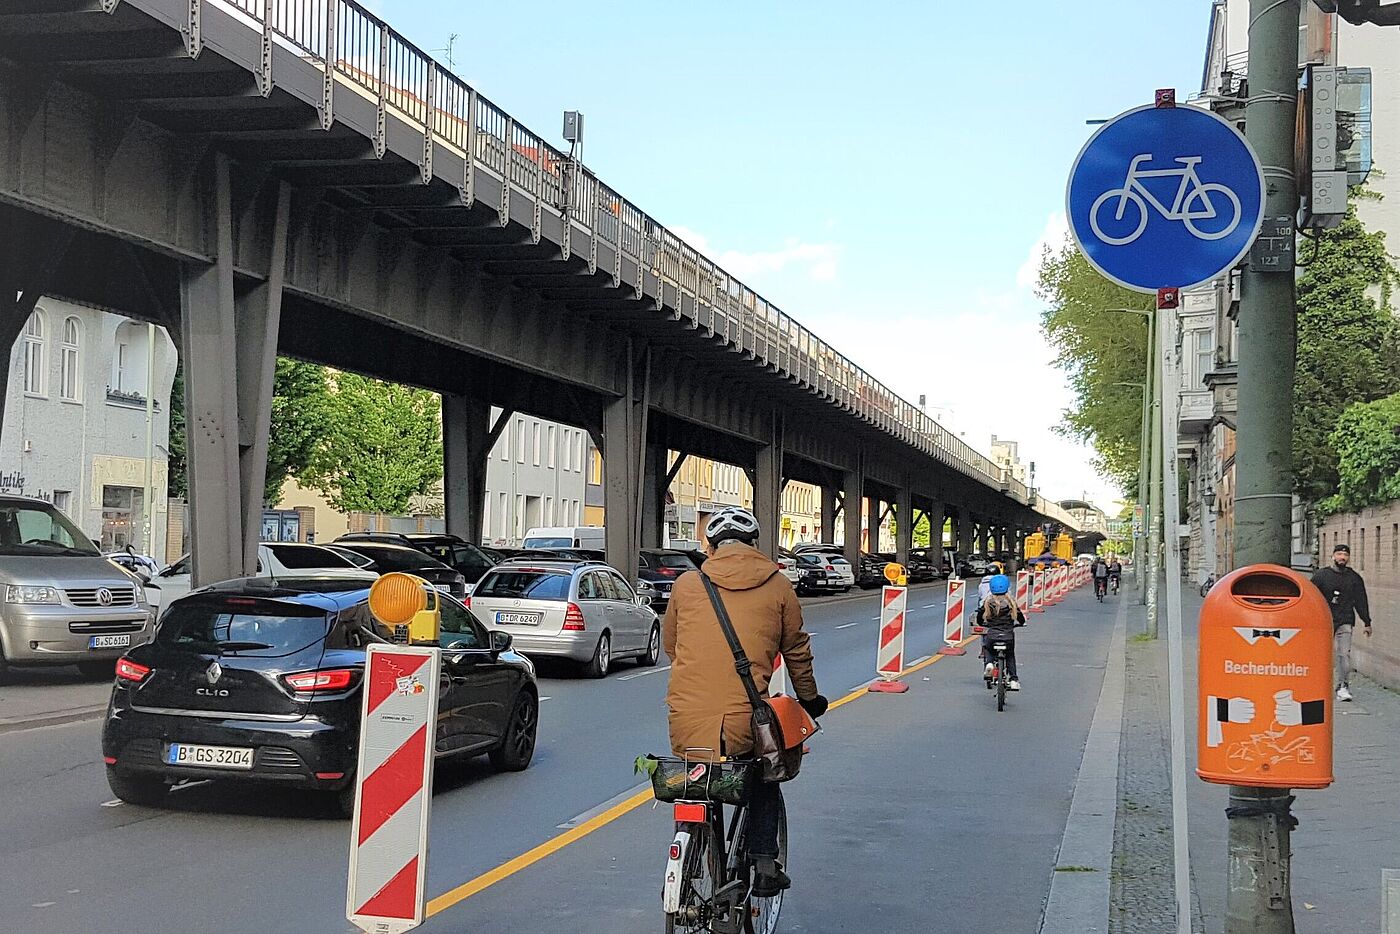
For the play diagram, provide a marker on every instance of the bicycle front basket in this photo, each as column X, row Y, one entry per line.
column 722, row 782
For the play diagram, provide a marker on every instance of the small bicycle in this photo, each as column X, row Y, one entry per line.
column 1000, row 677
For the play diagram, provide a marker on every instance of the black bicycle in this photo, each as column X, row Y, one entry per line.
column 1001, row 678
column 709, row 872
column 1100, row 587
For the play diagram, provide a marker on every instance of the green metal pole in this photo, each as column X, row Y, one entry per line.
column 1259, row 899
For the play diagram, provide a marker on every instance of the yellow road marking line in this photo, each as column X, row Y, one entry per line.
column 553, row 845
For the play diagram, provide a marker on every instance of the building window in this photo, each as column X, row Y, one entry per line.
column 35, row 355
column 578, row 459
column 62, row 499
column 535, row 443
column 1205, row 356
column 504, row 442
column 71, row 378
column 129, row 361
column 122, row 509
column 503, row 519
column 595, row 467
column 519, row 514
column 551, row 446
column 549, row 510
column 520, row 440
column 1363, row 551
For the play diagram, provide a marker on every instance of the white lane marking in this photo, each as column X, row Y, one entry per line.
column 643, row 674
column 543, row 699
column 918, row 660
column 43, row 904
column 929, row 606
column 874, row 619
column 861, row 686
column 847, row 625
column 606, row 805
column 114, row 803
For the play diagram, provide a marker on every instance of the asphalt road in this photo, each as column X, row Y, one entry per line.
column 926, row 810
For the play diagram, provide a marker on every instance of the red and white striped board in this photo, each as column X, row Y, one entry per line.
column 780, row 683
column 1023, row 589
column 889, row 654
column 954, row 615
column 1036, row 587
column 393, row 789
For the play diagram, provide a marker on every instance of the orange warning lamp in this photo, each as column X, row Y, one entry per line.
column 895, row 574
column 409, row 606
column 1265, row 695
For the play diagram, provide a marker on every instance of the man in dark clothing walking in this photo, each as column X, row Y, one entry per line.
column 1346, row 594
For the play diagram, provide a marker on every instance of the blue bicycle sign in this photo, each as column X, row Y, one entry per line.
column 1163, row 197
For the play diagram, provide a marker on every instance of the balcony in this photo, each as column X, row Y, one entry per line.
column 1197, row 409
column 1224, row 387
column 128, row 400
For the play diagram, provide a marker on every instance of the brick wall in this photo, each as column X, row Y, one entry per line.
column 1374, row 537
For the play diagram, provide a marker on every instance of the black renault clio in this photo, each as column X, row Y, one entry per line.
column 259, row 680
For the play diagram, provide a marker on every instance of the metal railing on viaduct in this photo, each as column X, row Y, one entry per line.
column 293, row 176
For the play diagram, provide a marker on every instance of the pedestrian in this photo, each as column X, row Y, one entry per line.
column 1346, row 594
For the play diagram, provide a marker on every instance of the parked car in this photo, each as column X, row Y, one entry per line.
column 579, row 610
column 660, row 568
column 871, row 572
column 455, row 552
column 565, row 536
column 259, row 680
column 64, row 603
column 816, row 579
column 275, row 559
column 141, row 565
column 835, row 559
column 925, row 564
column 354, row 557
column 978, row 566
column 787, row 564
column 388, row 558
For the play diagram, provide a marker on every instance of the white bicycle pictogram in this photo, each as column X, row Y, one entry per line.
column 1188, row 194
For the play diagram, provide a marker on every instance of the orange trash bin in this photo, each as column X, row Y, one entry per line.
column 1265, row 695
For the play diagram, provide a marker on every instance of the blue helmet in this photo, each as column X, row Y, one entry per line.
column 999, row 584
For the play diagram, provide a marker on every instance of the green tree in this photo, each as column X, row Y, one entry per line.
column 1367, row 442
column 383, row 445
column 175, row 462
column 1348, row 343
column 301, row 415
column 1100, row 351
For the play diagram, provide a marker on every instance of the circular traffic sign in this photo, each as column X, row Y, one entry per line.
column 1163, row 197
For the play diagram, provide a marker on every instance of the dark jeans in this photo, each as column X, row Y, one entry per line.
column 765, row 807
column 989, row 655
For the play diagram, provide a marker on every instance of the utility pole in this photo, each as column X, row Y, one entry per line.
column 1259, row 899
column 1154, row 487
column 1144, row 464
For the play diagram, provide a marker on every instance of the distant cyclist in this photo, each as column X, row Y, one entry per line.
column 1100, row 577
column 1000, row 615
column 1115, row 573
column 709, row 708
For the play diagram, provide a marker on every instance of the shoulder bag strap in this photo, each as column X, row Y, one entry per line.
column 741, row 661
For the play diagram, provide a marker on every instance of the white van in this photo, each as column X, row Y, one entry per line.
column 565, row 536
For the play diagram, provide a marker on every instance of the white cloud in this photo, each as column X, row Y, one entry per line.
column 817, row 261
column 1053, row 236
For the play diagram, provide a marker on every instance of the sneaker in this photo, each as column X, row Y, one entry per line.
column 990, row 671
column 767, row 884
column 1013, row 685
column 1344, row 693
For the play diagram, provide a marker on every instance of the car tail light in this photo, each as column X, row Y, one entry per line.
column 110, row 760
column 691, row 812
column 673, row 853
column 467, row 601
column 329, row 776
column 309, row 682
column 831, row 567
column 127, row 670
column 666, row 572
column 573, row 619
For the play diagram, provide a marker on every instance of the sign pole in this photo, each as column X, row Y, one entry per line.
column 1259, row 899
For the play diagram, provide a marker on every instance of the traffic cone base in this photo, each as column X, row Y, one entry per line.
column 952, row 650
column 887, row 687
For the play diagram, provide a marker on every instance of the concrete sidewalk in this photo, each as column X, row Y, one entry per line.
column 1346, row 835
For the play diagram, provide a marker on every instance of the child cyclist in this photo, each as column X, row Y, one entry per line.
column 1000, row 615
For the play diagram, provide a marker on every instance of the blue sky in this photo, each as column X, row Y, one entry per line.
column 883, row 171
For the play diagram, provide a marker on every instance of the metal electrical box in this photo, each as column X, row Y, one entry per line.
column 573, row 126
column 1333, row 144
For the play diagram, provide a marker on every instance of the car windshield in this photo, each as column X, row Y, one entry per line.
column 389, row 558
column 549, row 542
column 524, row 584
column 40, row 529
column 241, row 626
column 354, row 557
column 307, row 556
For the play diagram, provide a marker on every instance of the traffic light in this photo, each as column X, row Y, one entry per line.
column 1333, row 141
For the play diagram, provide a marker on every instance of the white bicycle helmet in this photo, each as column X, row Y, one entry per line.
column 729, row 523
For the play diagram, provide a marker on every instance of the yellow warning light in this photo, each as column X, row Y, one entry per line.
column 402, row 602
column 894, row 573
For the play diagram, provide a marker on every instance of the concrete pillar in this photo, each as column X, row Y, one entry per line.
column 936, row 519
column 871, row 504
column 903, row 525
column 768, row 487
column 655, row 483
column 467, row 440
column 624, row 433
column 965, row 528
column 828, row 528
column 228, row 396
column 853, row 510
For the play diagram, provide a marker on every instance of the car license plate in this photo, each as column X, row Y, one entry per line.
column 210, row 757
column 110, row 642
column 518, row 619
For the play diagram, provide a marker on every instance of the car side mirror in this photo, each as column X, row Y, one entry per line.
column 643, row 600
column 500, row 641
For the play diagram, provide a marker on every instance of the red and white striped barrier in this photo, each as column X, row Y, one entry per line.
column 889, row 654
column 393, row 788
column 1023, row 589
column 1036, row 588
column 954, row 613
column 779, row 683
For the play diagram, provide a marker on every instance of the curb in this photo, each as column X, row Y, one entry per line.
column 1078, row 902
column 71, row 715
